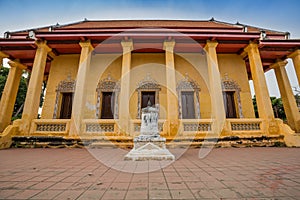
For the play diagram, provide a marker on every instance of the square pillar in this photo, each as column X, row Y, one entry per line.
column 171, row 80
column 124, row 115
column 215, row 88
column 287, row 96
column 32, row 100
column 172, row 98
column 295, row 56
column 79, row 99
column 9, row 94
column 264, row 105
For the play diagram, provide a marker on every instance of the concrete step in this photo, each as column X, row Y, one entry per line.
column 127, row 142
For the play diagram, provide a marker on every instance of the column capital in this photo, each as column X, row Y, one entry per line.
column 86, row 44
column 3, row 55
column 250, row 47
column 43, row 45
column 127, row 45
column 211, row 44
column 294, row 54
column 17, row 64
column 279, row 64
column 169, row 45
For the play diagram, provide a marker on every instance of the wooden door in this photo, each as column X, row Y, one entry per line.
column 66, row 105
column 187, row 105
column 229, row 104
column 146, row 96
column 108, row 105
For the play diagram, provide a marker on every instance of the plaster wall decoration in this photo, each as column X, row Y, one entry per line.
column 108, row 84
column 66, row 86
column 148, row 84
column 188, row 85
column 229, row 84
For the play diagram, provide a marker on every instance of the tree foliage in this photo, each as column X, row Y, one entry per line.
column 276, row 105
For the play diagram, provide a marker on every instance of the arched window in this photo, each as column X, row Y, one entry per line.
column 231, row 97
column 188, row 99
column 107, row 98
column 64, row 99
column 147, row 90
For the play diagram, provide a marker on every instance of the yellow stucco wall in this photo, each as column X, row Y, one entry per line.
column 143, row 65
column 101, row 66
column 194, row 65
column 234, row 66
column 61, row 67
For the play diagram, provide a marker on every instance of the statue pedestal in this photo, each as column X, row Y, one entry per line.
column 149, row 148
column 149, row 145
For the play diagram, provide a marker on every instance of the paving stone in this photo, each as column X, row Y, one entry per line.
column 91, row 195
column 69, row 194
column 231, row 173
column 159, row 194
column 47, row 194
column 137, row 194
column 158, row 186
column 25, row 194
column 114, row 194
column 182, row 194
column 5, row 193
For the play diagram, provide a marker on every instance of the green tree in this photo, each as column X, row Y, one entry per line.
column 278, row 108
column 17, row 113
column 276, row 105
column 255, row 106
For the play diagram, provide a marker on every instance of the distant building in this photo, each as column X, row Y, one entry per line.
column 100, row 74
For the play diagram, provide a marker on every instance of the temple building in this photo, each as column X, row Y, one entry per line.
column 100, row 74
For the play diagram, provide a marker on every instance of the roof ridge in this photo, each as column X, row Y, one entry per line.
column 237, row 24
column 264, row 29
column 222, row 22
column 74, row 23
column 29, row 29
column 54, row 25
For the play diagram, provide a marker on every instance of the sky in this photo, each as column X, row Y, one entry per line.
column 272, row 14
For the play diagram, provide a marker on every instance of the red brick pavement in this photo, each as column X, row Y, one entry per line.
column 226, row 173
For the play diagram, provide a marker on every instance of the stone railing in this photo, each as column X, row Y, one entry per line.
column 136, row 126
column 196, row 125
column 110, row 126
column 50, row 126
column 100, row 126
column 245, row 125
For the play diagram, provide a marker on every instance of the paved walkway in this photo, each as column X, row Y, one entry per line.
column 226, row 173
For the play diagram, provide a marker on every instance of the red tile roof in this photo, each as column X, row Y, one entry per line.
column 175, row 24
